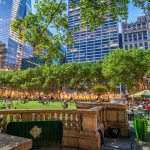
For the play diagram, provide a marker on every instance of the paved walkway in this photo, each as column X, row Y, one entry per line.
column 127, row 143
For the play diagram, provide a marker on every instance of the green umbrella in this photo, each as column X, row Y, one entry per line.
column 144, row 94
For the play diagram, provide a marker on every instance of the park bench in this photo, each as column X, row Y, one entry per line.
column 42, row 133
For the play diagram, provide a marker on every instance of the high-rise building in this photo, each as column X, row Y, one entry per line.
column 2, row 51
column 137, row 34
column 91, row 45
column 35, row 61
column 32, row 62
column 15, row 49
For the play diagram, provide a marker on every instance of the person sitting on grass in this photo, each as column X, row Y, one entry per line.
column 3, row 107
column 65, row 105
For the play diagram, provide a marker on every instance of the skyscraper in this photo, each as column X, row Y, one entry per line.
column 35, row 61
column 137, row 34
column 91, row 45
column 15, row 48
column 2, row 51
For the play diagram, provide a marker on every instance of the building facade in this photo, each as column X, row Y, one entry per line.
column 90, row 45
column 32, row 62
column 2, row 51
column 35, row 61
column 137, row 34
column 15, row 48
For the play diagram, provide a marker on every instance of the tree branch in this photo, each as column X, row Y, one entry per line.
column 53, row 14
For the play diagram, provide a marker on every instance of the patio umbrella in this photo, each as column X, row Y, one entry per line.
column 143, row 94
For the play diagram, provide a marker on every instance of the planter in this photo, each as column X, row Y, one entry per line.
column 140, row 127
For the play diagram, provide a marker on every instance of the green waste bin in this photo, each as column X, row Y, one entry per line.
column 140, row 127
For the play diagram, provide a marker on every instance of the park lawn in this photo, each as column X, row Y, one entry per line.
column 36, row 105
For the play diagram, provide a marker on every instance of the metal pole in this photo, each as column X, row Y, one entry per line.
column 120, row 89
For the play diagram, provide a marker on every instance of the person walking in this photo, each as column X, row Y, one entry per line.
column 148, row 110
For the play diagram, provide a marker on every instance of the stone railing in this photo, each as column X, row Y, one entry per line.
column 111, row 115
column 70, row 118
column 80, row 126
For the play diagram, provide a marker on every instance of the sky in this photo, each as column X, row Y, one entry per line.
column 134, row 12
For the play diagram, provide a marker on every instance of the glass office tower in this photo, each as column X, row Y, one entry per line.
column 9, row 10
column 91, row 46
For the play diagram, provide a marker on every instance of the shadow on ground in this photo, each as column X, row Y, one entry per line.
column 130, row 143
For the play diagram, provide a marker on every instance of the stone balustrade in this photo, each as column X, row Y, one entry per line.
column 111, row 115
column 70, row 118
column 80, row 126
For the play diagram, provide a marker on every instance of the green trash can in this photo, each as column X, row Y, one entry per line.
column 140, row 127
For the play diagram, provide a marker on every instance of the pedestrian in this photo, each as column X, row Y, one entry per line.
column 148, row 110
column 132, row 114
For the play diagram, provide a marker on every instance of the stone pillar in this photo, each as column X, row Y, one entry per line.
column 89, row 138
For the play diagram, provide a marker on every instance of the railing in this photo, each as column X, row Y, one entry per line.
column 71, row 118
column 80, row 125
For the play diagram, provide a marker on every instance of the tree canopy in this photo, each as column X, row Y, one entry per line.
column 130, row 67
column 127, row 67
column 54, row 78
column 34, row 28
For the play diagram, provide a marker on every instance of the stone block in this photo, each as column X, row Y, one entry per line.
column 71, row 138
column 89, row 140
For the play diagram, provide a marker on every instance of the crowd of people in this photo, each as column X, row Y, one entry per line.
column 138, row 108
column 9, row 102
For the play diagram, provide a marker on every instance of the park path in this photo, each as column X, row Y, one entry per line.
column 130, row 143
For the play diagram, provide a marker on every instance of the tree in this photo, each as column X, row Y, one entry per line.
column 5, row 84
column 52, row 79
column 126, row 67
column 99, row 90
column 34, row 27
column 97, row 76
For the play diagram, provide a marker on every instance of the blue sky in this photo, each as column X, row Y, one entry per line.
column 134, row 12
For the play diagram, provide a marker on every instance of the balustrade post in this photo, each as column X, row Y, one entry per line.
column 72, row 130
column 89, row 136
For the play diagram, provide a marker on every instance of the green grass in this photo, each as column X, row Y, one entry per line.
column 36, row 105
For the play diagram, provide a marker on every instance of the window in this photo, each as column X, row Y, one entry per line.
column 131, row 46
column 146, row 45
column 129, row 27
column 139, row 36
column 140, row 44
column 145, row 35
column 126, row 46
column 130, row 37
column 134, row 26
column 125, row 38
column 135, row 45
column 139, row 26
column 135, row 37
column 143, row 25
column 125, row 27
